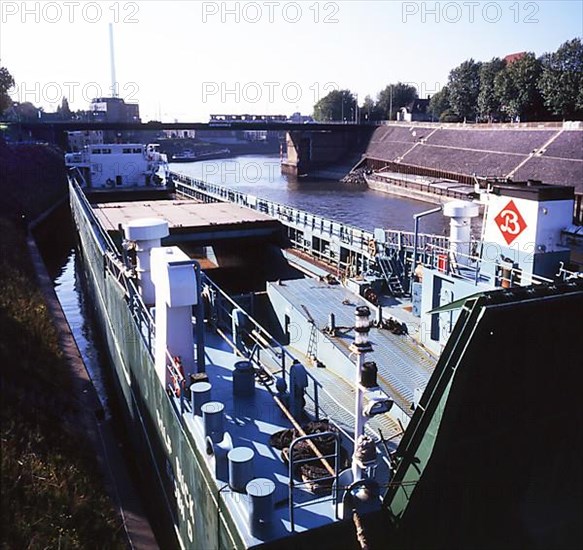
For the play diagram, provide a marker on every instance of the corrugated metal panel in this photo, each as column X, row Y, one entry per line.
column 403, row 365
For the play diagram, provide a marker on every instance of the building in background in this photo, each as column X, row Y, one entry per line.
column 80, row 139
column 115, row 109
column 415, row 111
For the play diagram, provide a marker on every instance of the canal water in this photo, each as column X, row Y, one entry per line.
column 56, row 241
column 68, row 286
column 356, row 205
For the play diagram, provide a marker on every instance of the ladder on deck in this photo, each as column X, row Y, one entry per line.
column 391, row 275
column 313, row 338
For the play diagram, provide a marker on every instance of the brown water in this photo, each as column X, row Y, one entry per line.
column 260, row 175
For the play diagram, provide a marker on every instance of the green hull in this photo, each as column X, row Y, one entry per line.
column 183, row 483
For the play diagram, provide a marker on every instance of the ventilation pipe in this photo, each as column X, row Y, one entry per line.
column 460, row 214
column 417, row 217
column 147, row 234
column 177, row 290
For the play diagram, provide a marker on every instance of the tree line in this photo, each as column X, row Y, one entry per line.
column 524, row 87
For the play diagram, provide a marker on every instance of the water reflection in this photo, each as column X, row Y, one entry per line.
column 78, row 312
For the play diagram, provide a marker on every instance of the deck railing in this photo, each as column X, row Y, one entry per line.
column 297, row 218
column 360, row 245
column 288, row 215
column 263, row 349
column 257, row 345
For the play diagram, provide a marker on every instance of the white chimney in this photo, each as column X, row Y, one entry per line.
column 460, row 214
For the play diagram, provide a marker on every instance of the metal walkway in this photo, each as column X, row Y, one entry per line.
column 340, row 400
column 403, row 366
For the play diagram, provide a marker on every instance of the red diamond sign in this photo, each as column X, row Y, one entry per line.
column 510, row 222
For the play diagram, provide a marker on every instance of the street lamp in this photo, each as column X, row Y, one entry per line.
column 361, row 346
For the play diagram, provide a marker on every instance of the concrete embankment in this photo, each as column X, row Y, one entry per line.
column 59, row 458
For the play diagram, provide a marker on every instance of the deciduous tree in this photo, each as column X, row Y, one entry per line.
column 64, row 109
column 516, row 87
column 561, row 80
column 6, row 82
column 368, row 109
column 393, row 97
column 488, row 101
column 464, row 87
column 336, row 106
column 439, row 103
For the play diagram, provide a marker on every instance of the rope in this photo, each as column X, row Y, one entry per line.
column 360, row 533
column 309, row 442
column 286, row 412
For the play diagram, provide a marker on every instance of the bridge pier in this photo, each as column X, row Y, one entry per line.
column 309, row 150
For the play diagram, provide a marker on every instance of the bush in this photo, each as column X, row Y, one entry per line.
column 449, row 116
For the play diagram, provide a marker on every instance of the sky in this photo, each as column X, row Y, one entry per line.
column 183, row 60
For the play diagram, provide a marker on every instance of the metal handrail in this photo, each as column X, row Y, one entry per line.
column 277, row 210
column 113, row 262
column 347, row 233
column 432, row 254
column 322, row 458
column 107, row 244
column 208, row 282
column 280, row 354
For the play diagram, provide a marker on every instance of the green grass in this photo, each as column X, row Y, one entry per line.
column 51, row 491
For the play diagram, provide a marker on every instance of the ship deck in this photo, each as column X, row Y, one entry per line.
column 251, row 421
column 403, row 365
column 186, row 217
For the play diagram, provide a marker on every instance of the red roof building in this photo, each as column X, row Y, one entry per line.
column 511, row 58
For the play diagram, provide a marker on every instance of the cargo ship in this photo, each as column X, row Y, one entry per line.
column 189, row 155
column 287, row 378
